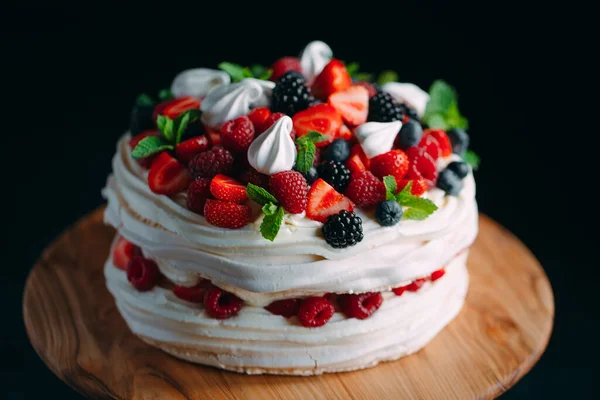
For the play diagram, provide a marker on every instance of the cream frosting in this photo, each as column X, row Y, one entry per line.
column 377, row 138
column 408, row 93
column 315, row 56
column 274, row 150
column 227, row 102
column 198, row 82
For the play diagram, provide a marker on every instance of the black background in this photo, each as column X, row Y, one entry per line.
column 70, row 76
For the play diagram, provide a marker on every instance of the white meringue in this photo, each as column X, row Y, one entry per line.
column 314, row 58
column 377, row 138
column 274, row 150
column 408, row 93
column 198, row 82
column 265, row 99
column 227, row 102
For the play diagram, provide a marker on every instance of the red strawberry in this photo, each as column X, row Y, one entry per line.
column 442, row 139
column 369, row 86
column 321, row 118
column 283, row 65
column 167, row 175
column 324, row 201
column 225, row 214
column 352, row 104
column 394, row 162
column 355, row 165
column 198, row 192
column 237, row 134
column 259, row 117
column 291, row 189
column 186, row 150
column 424, row 163
column 333, row 78
column 419, row 186
column 357, row 150
column 430, row 144
column 345, row 133
column 365, row 190
column 228, row 189
column 123, row 252
column 145, row 162
column 214, row 136
column 175, row 107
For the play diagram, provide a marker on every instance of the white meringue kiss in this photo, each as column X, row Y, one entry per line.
column 267, row 89
column 408, row 93
column 377, row 138
column 314, row 58
column 274, row 150
column 198, row 82
column 227, row 102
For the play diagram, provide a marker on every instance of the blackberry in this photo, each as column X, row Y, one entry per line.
column 339, row 150
column 291, row 94
column 382, row 108
column 343, row 229
column 336, row 174
column 411, row 112
column 388, row 213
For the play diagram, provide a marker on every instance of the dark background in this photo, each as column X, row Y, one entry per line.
column 70, row 76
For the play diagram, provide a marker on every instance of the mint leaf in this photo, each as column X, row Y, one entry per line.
column 419, row 208
column 261, row 72
column 414, row 214
column 271, row 224
column 353, row 68
column 165, row 94
column 404, row 193
column 387, row 76
column 453, row 117
column 442, row 109
column 236, row 71
column 183, row 121
column 144, row 100
column 306, row 155
column 265, row 75
column 269, row 209
column 260, row 195
column 472, row 159
column 437, row 121
column 425, row 205
column 390, row 187
column 313, row 136
column 150, row 145
column 363, row 76
column 165, row 126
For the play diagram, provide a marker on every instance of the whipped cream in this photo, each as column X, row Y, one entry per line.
column 198, row 82
column 409, row 94
column 314, row 58
column 227, row 102
column 274, row 150
column 377, row 138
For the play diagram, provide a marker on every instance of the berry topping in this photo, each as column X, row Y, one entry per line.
column 460, row 168
column 419, row 185
column 145, row 162
column 371, row 89
column 343, row 230
column 286, row 308
column 425, row 166
column 228, row 189
column 225, row 214
column 214, row 136
column 259, row 117
column 336, row 174
column 358, row 150
column 410, row 134
column 188, row 149
column 333, row 78
column 237, row 134
column 339, row 150
column 435, row 275
column 198, row 192
column 443, row 141
column 167, row 175
column 324, row 201
column 416, row 285
column 345, row 133
column 449, row 182
column 430, row 144
column 193, row 294
column 365, row 190
column 394, row 162
column 388, row 213
column 382, row 108
column 311, row 175
column 291, row 189
column 361, row 305
column 250, row 175
column 123, row 251
column 459, row 140
column 284, row 65
column 315, row 312
column 352, row 104
column 409, row 113
column 321, row 118
column 210, row 163
column 220, row 304
column 355, row 165
column 142, row 273
column 141, row 118
column 175, row 107
column 291, row 94
column 399, row 290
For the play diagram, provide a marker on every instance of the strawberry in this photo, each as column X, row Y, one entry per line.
column 237, row 134
column 442, row 139
column 225, row 214
column 419, row 186
column 321, row 118
column 259, row 117
column 123, row 252
column 167, row 175
column 345, row 133
column 324, row 201
column 145, row 162
column 357, row 150
column 186, row 150
column 175, row 107
column 283, row 65
column 394, row 162
column 228, row 189
column 369, row 86
column 355, row 165
column 352, row 104
column 333, row 78
column 430, row 144
column 214, row 136
column 422, row 165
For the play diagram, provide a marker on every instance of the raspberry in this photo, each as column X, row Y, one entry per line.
column 366, row 190
column 416, row 285
column 291, row 189
column 210, row 163
column 254, row 177
column 291, row 94
column 399, row 290
column 361, row 305
column 273, row 118
column 220, row 304
column 315, row 312
column 286, row 308
column 259, row 117
column 198, row 192
column 394, row 162
column 194, row 294
column 237, row 134
column 435, row 275
column 336, row 174
column 225, row 214
column 143, row 273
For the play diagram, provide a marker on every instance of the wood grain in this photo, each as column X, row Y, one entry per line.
column 75, row 328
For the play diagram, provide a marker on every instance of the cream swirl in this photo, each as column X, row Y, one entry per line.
column 274, row 150
column 377, row 138
column 408, row 93
column 198, row 82
column 314, row 58
column 267, row 90
column 227, row 102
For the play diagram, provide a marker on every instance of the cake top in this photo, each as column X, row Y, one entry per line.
column 308, row 139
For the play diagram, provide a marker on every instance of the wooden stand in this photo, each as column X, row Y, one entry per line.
column 76, row 329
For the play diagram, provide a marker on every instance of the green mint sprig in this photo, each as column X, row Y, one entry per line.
column 237, row 72
column 386, row 77
column 472, row 159
column 307, row 149
column 269, row 228
column 418, row 208
column 442, row 109
column 165, row 94
column 145, row 99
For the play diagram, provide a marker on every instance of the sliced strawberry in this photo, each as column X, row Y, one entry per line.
column 283, row 65
column 345, row 133
column 333, row 78
column 430, row 144
column 174, row 108
column 186, row 150
column 369, row 86
column 167, row 175
column 321, row 118
column 123, row 251
column 145, row 162
column 225, row 214
column 443, row 141
column 419, row 186
column 324, row 201
column 355, row 164
column 424, row 165
column 228, row 189
column 214, row 136
column 352, row 104
column 259, row 117
column 357, row 150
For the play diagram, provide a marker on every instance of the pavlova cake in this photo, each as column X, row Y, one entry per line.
column 297, row 219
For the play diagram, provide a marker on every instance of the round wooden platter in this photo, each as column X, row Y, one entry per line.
column 498, row 336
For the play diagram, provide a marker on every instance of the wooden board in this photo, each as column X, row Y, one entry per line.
column 76, row 329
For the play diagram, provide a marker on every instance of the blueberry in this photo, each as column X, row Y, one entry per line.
column 339, row 150
column 449, row 182
column 388, row 213
column 410, row 134
column 311, row 176
column 460, row 168
column 459, row 139
column 141, row 118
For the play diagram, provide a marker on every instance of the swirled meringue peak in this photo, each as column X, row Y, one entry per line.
column 274, row 150
column 267, row 89
column 314, row 58
column 377, row 138
column 409, row 94
column 198, row 82
column 227, row 102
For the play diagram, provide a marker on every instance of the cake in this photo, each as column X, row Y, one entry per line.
column 298, row 219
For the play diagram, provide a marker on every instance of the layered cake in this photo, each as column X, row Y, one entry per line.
column 298, row 219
